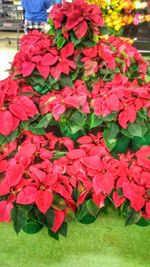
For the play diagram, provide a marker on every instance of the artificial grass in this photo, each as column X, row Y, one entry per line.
column 105, row 243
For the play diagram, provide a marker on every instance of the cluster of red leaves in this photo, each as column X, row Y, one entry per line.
column 14, row 107
column 77, row 16
column 133, row 178
column 38, row 53
column 112, row 53
column 32, row 176
column 120, row 96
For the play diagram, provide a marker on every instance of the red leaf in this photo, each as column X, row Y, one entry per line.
column 92, row 162
column 76, row 154
column 44, row 200
column 12, row 178
column 81, row 29
column 49, row 59
column 28, row 106
column 43, row 70
column 27, row 68
column 58, row 220
column 137, row 202
column 67, row 50
column 85, row 140
column 103, row 183
column 5, row 211
column 118, row 200
column 18, row 110
column 6, row 122
column 27, row 196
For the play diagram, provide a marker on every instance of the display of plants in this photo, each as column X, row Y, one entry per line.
column 74, row 126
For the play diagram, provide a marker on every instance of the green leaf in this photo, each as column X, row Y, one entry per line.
column 92, row 208
column 44, row 122
column 135, row 129
column 31, row 227
column 121, row 145
column 74, row 39
column 111, row 117
column 89, row 43
column 138, row 142
column 132, row 216
column 95, row 120
column 66, row 81
column 49, row 215
column 59, row 154
column 3, row 139
column 25, row 125
column 37, row 131
column 18, row 216
column 143, row 222
column 53, row 235
column 113, row 130
column 63, row 229
column 83, row 216
column 11, row 137
column 110, row 142
column 60, row 41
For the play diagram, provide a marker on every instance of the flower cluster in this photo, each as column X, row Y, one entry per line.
column 77, row 17
column 14, row 107
column 117, row 13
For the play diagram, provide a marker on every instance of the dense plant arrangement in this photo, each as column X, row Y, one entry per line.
column 74, row 126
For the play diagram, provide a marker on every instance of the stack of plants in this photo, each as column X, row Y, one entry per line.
column 74, row 126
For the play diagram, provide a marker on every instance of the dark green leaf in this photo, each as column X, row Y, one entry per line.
column 18, row 216
column 31, row 227
column 63, row 229
column 53, row 235
column 89, row 43
column 83, row 216
column 132, row 216
column 92, row 208
column 49, row 215
column 143, row 222
column 66, row 81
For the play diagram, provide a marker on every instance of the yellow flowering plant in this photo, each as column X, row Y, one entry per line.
column 117, row 13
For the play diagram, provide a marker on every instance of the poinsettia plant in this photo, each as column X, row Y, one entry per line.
column 74, row 126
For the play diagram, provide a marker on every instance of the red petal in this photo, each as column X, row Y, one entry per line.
column 58, row 220
column 28, row 106
column 5, row 211
column 27, row 196
column 27, row 68
column 44, row 200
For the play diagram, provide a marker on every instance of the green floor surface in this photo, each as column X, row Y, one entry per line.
column 105, row 243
